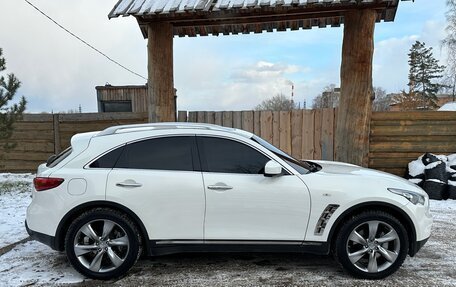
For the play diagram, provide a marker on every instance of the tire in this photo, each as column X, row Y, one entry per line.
column 371, row 245
column 102, row 244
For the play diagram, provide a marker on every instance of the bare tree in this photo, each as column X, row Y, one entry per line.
column 277, row 103
column 329, row 98
column 449, row 79
column 382, row 101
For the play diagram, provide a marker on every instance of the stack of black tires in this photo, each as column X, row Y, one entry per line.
column 436, row 174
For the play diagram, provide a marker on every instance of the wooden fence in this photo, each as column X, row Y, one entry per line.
column 396, row 137
column 37, row 136
column 307, row 134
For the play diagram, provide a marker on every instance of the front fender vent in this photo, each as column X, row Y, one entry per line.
column 324, row 218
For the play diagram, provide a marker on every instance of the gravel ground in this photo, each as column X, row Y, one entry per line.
column 33, row 264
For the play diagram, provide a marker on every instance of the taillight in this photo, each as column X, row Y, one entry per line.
column 45, row 183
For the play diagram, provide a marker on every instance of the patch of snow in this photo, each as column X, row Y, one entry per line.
column 433, row 165
column 435, row 180
column 416, row 167
column 15, row 196
column 451, row 106
column 452, row 183
column 415, row 180
column 452, row 158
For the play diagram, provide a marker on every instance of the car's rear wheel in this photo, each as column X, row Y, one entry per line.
column 371, row 245
column 102, row 244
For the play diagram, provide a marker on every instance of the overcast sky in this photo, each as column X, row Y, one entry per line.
column 59, row 73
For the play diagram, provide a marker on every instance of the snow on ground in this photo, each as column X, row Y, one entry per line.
column 15, row 196
column 33, row 263
column 451, row 106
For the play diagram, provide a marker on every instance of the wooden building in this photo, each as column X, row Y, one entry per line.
column 122, row 98
column 161, row 20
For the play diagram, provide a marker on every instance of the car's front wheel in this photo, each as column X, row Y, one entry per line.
column 102, row 244
column 371, row 245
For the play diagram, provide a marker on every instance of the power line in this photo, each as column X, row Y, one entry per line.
column 83, row 41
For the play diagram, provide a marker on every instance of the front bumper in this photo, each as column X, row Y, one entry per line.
column 416, row 246
column 41, row 237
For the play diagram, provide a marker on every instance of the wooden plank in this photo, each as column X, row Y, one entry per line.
column 409, row 155
column 296, row 133
column 276, row 128
column 308, row 141
column 413, row 130
column 247, row 121
column 433, row 147
column 89, row 117
column 227, row 120
column 32, row 126
column 27, row 135
column 200, row 117
column 56, row 130
column 421, row 123
column 388, row 162
column 285, row 131
column 31, row 145
column 380, row 139
column 256, row 123
column 327, row 134
column 237, row 120
column 317, row 134
column 415, row 115
column 210, row 117
column 27, row 156
column 396, row 171
column 266, row 126
column 192, row 117
column 182, row 116
column 218, row 118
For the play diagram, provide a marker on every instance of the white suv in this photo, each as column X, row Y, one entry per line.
column 175, row 187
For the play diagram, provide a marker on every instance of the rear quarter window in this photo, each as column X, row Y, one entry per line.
column 108, row 160
column 52, row 162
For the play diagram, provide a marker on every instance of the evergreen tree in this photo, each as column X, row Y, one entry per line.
column 9, row 112
column 424, row 71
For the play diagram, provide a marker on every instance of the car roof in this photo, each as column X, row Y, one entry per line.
column 122, row 129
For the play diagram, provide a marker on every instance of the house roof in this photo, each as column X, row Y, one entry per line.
column 204, row 17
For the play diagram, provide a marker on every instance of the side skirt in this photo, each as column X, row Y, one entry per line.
column 165, row 247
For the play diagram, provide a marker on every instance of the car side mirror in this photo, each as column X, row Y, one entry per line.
column 272, row 168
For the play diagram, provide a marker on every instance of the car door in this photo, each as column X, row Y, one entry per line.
column 241, row 202
column 160, row 180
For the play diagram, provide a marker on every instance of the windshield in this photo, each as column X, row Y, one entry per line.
column 302, row 167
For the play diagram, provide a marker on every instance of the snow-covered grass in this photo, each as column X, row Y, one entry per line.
column 15, row 195
column 33, row 263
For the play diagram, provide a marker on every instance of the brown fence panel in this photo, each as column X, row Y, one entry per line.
column 266, row 126
column 397, row 138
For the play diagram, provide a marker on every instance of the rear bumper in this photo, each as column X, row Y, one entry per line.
column 416, row 246
column 43, row 238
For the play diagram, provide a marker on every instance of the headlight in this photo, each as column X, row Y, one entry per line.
column 412, row 196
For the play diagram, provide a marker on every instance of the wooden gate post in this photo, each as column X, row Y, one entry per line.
column 160, row 66
column 355, row 107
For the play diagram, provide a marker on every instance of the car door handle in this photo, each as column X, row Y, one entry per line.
column 220, row 186
column 129, row 183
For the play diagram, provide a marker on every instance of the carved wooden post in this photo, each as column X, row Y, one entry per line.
column 355, row 107
column 160, row 65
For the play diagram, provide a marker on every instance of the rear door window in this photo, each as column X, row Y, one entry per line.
column 168, row 153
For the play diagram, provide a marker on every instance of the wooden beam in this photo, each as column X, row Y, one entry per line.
column 355, row 107
column 160, row 65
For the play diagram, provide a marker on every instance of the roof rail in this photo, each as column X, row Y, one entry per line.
column 166, row 125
